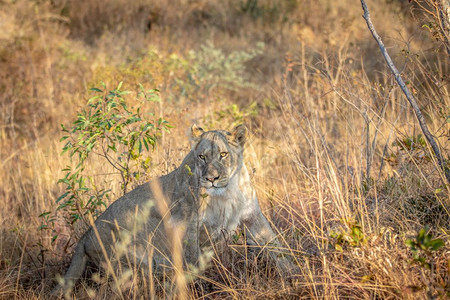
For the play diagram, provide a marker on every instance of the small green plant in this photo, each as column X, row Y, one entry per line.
column 232, row 114
column 411, row 143
column 423, row 246
column 353, row 237
column 238, row 115
column 237, row 236
column 415, row 146
column 107, row 128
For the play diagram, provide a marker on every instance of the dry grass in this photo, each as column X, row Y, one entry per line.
column 327, row 123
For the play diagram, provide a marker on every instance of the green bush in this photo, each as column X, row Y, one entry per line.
column 109, row 129
column 211, row 70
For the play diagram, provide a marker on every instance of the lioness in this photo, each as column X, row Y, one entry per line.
column 209, row 194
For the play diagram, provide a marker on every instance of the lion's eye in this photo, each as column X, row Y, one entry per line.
column 202, row 157
column 223, row 154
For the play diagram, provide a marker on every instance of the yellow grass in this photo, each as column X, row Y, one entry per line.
column 324, row 115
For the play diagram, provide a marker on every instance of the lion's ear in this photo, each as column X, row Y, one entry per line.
column 240, row 134
column 196, row 132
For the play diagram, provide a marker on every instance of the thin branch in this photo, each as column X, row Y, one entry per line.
column 408, row 94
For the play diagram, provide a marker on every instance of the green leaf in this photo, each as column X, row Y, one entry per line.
column 411, row 244
column 96, row 90
column 112, row 147
column 421, row 235
column 42, row 227
column 89, row 147
column 44, row 214
column 92, row 100
column 64, row 180
column 145, row 143
column 436, row 244
column 62, row 197
column 189, row 170
column 54, row 238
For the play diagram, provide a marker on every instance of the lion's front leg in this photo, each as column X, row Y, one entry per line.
column 191, row 246
column 258, row 231
column 260, row 234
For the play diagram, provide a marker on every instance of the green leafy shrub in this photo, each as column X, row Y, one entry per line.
column 423, row 247
column 211, row 69
column 107, row 128
column 352, row 237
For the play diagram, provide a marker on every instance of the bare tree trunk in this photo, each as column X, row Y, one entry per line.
column 409, row 96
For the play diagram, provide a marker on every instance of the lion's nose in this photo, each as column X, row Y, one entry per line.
column 212, row 179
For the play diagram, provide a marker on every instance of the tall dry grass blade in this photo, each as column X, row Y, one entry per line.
column 175, row 233
column 110, row 268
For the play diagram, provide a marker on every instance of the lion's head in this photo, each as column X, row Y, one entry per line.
column 218, row 155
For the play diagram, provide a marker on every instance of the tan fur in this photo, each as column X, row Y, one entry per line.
column 210, row 194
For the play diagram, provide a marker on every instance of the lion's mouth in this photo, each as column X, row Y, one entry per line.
column 215, row 190
column 218, row 186
column 211, row 185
